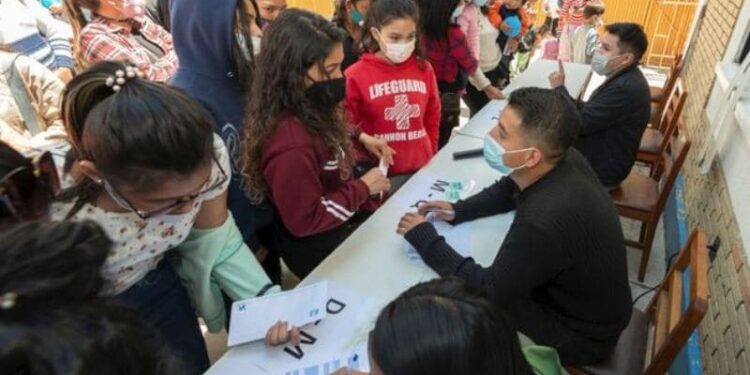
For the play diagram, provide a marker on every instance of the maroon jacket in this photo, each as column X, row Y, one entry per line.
column 304, row 182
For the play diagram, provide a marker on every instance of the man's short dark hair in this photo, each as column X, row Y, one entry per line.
column 593, row 10
column 548, row 120
column 632, row 38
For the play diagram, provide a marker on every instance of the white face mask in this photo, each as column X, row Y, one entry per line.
column 256, row 45
column 600, row 64
column 397, row 52
column 241, row 43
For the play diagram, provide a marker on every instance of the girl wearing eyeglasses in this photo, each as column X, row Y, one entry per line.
column 155, row 176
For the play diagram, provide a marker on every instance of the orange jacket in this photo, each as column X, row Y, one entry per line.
column 496, row 18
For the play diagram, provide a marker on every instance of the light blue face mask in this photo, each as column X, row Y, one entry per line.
column 357, row 18
column 493, row 155
column 480, row 3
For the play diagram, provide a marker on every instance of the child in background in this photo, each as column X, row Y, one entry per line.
column 501, row 14
column 484, row 84
column 450, row 56
column 549, row 46
column 468, row 21
column 571, row 18
column 529, row 44
column 391, row 93
column 297, row 145
column 585, row 39
column 350, row 15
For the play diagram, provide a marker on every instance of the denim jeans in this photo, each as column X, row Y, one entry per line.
column 161, row 300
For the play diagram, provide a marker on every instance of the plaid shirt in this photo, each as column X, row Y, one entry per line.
column 103, row 40
column 449, row 56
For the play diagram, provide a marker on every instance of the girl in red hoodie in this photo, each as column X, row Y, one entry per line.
column 297, row 146
column 391, row 92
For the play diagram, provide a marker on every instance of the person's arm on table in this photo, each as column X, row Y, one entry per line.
column 527, row 259
column 495, row 199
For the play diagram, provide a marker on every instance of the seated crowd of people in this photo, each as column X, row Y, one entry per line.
column 160, row 160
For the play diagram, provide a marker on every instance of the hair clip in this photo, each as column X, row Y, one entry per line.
column 8, row 301
column 117, row 81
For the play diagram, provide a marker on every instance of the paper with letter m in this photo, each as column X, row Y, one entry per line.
column 252, row 318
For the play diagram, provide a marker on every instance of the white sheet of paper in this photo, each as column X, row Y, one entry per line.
column 251, row 319
column 347, row 311
column 459, row 237
column 357, row 360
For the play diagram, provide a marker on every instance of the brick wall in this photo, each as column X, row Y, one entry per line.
column 725, row 332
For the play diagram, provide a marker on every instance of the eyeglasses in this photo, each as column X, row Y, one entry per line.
column 46, row 175
column 144, row 215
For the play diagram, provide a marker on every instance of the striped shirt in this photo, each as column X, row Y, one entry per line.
column 571, row 12
column 27, row 28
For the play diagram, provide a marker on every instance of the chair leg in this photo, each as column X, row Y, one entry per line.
column 647, row 236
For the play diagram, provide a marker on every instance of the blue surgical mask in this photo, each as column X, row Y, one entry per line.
column 480, row 3
column 493, row 155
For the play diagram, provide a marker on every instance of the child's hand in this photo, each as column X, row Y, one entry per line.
column 280, row 334
column 377, row 147
column 504, row 27
column 376, row 181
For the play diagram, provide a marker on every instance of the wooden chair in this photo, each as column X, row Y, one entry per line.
column 655, row 137
column 660, row 95
column 653, row 338
column 643, row 198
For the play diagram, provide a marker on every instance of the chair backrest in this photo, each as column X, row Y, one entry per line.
column 675, row 104
column 674, row 73
column 670, row 325
column 670, row 161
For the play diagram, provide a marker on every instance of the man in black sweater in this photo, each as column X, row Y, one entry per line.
column 561, row 272
column 618, row 112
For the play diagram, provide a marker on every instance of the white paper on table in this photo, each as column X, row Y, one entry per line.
column 251, row 319
column 357, row 360
column 459, row 237
column 350, row 315
column 425, row 187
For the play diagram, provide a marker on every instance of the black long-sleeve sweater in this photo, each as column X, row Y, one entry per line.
column 564, row 250
column 612, row 124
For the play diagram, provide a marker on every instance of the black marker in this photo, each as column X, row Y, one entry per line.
column 468, row 154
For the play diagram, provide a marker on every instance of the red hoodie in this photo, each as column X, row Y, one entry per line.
column 397, row 103
column 304, row 183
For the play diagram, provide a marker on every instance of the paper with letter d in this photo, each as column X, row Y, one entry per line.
column 252, row 318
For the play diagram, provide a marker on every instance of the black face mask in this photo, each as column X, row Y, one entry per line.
column 326, row 94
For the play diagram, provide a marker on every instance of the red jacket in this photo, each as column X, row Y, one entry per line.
column 451, row 55
column 397, row 103
column 304, row 183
